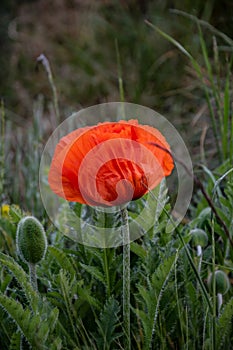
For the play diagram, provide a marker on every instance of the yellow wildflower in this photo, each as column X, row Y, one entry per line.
column 4, row 210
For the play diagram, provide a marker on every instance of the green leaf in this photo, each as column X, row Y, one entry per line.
column 15, row 341
column 152, row 296
column 86, row 295
column 52, row 319
column 145, row 212
column 138, row 250
column 23, row 318
column 224, row 326
column 22, row 279
column 15, row 213
column 95, row 272
column 107, row 323
column 63, row 260
column 56, row 345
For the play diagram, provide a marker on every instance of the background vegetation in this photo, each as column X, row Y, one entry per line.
column 179, row 62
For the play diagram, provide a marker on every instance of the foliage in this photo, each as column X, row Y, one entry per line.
column 78, row 304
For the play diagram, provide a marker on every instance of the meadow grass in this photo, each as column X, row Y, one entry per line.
column 79, row 303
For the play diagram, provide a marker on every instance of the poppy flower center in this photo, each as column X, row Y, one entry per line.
column 121, row 180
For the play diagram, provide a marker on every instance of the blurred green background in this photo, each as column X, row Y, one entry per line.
column 78, row 37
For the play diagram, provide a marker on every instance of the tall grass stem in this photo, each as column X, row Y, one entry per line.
column 2, row 147
column 45, row 62
column 213, row 288
column 120, row 79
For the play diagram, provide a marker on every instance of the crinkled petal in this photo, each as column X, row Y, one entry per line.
column 109, row 164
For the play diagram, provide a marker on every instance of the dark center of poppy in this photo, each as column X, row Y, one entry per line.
column 121, row 180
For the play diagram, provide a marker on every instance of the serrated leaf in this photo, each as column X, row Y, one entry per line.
column 22, row 279
column 62, row 259
column 146, row 295
column 143, row 317
column 52, row 319
column 5, row 281
column 138, row 250
column 21, row 317
column 152, row 296
column 56, row 345
column 95, row 272
column 107, row 323
column 15, row 213
column 85, row 295
column 15, row 341
column 224, row 325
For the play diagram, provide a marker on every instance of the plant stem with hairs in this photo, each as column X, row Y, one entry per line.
column 106, row 269
column 126, row 277
column 33, row 277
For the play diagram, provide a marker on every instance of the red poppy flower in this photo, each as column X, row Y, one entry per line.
column 109, row 164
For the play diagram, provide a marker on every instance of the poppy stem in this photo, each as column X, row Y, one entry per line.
column 106, row 269
column 33, row 276
column 126, row 277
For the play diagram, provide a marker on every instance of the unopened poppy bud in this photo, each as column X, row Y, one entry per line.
column 221, row 281
column 199, row 239
column 205, row 214
column 31, row 240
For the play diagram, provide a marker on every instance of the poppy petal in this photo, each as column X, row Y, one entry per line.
column 109, row 164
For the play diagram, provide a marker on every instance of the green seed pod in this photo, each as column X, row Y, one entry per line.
column 199, row 237
column 221, row 281
column 31, row 240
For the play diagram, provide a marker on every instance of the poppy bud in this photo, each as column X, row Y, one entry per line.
column 221, row 281
column 199, row 239
column 31, row 240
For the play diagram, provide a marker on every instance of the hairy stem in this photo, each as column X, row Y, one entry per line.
column 219, row 297
column 126, row 277
column 33, row 276
column 106, row 268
